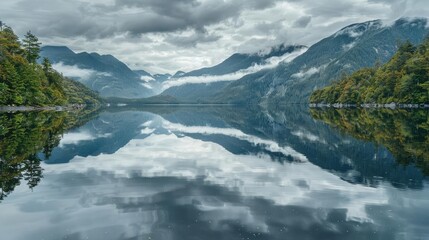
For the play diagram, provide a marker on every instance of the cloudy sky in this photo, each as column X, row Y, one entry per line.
column 169, row 35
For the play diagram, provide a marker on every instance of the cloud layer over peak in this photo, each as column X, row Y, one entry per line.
column 165, row 36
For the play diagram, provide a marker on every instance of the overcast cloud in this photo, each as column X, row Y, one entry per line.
column 169, row 35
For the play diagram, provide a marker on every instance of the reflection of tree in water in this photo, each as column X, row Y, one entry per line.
column 22, row 137
column 405, row 133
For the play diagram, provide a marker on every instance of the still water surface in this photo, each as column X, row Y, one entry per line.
column 214, row 173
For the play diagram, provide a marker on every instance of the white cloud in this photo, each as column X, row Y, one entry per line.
column 71, row 23
column 147, row 78
column 349, row 46
column 306, row 73
column 74, row 71
column 270, row 63
column 147, row 85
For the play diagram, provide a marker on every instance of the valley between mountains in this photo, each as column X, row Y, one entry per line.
column 279, row 75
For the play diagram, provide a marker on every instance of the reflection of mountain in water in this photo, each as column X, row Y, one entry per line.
column 104, row 135
column 218, row 173
column 283, row 134
column 353, row 160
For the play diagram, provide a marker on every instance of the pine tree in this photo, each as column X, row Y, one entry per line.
column 31, row 46
column 47, row 66
column 15, row 82
column 9, row 41
column 4, row 93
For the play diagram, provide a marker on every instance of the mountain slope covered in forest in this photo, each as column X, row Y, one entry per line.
column 352, row 48
column 404, row 79
column 25, row 82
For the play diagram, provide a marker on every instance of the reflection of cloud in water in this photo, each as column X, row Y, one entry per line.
column 168, row 186
column 305, row 135
column 267, row 144
column 184, row 157
column 100, row 205
column 77, row 137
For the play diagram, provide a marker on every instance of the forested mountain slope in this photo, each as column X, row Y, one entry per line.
column 24, row 82
column 352, row 48
column 404, row 79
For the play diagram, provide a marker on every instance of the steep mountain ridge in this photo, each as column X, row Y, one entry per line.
column 351, row 48
column 103, row 73
column 199, row 85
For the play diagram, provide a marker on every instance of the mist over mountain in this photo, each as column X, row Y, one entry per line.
column 353, row 47
column 102, row 73
column 277, row 75
column 200, row 84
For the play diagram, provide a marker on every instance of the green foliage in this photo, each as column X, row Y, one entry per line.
column 404, row 132
column 31, row 46
column 404, row 79
column 23, row 135
column 24, row 82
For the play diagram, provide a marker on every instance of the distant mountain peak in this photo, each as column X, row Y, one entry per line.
column 278, row 50
column 178, row 74
column 410, row 21
column 358, row 29
column 103, row 73
column 62, row 49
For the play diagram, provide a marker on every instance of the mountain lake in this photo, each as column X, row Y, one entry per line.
column 215, row 172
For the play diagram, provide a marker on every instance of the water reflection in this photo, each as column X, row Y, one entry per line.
column 404, row 132
column 210, row 173
column 22, row 136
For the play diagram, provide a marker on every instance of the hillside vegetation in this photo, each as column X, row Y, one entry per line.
column 404, row 79
column 24, row 82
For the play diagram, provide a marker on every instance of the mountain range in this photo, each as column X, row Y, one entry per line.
column 102, row 73
column 202, row 84
column 353, row 47
column 281, row 74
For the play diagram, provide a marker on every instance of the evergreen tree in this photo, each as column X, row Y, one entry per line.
column 32, row 47
column 404, row 79
column 4, row 93
column 47, row 66
column 24, row 82
column 9, row 42
column 15, row 83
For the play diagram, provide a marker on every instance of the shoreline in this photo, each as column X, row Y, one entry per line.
column 38, row 108
column 371, row 105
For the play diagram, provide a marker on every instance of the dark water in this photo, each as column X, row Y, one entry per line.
column 215, row 173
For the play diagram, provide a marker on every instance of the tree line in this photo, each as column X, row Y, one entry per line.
column 25, row 82
column 404, row 79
